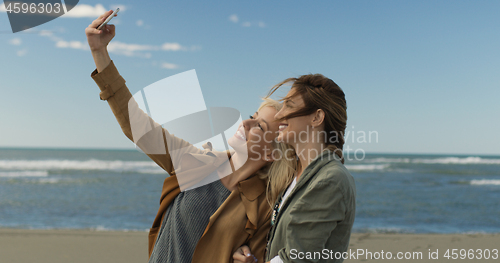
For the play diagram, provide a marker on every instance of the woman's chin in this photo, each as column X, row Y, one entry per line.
column 280, row 137
column 237, row 144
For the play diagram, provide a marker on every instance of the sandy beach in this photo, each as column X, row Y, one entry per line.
column 71, row 246
column 420, row 245
column 75, row 246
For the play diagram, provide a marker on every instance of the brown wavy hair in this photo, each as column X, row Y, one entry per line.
column 320, row 92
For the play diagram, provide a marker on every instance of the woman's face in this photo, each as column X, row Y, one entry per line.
column 256, row 134
column 294, row 130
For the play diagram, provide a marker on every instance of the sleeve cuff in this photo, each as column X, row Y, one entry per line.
column 108, row 80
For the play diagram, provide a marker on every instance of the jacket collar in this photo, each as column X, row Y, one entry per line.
column 250, row 189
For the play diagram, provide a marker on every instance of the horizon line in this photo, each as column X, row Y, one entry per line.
column 133, row 149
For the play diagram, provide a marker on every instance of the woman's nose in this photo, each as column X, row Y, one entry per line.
column 246, row 123
column 278, row 115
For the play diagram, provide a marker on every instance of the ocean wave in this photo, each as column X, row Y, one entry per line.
column 24, row 174
column 485, row 182
column 49, row 180
column 458, row 160
column 152, row 171
column 104, row 229
column 367, row 167
column 388, row 160
column 98, row 228
column 383, row 230
column 440, row 160
column 39, row 166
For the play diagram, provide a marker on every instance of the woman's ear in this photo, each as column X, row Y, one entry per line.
column 318, row 118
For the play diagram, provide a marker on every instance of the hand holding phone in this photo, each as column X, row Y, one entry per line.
column 108, row 19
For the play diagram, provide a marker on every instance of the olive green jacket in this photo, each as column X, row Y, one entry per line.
column 315, row 220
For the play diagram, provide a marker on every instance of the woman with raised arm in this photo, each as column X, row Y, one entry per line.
column 312, row 220
column 210, row 222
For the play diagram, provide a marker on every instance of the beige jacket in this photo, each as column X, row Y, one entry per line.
column 244, row 218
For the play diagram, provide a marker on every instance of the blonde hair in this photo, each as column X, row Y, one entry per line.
column 281, row 171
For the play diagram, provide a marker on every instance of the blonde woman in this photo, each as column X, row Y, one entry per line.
column 208, row 223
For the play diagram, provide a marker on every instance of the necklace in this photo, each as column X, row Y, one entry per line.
column 276, row 210
column 283, row 196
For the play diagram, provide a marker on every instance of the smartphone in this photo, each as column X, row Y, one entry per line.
column 108, row 19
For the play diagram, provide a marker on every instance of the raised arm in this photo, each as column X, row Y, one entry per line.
column 99, row 40
column 152, row 138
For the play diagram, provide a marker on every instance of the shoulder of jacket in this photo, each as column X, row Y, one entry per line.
column 331, row 171
column 335, row 174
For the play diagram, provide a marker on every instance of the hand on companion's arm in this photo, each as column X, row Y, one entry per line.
column 244, row 255
column 99, row 39
column 257, row 244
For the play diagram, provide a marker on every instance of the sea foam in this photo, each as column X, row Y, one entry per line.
column 485, row 182
column 24, row 174
column 366, row 167
column 439, row 160
column 40, row 167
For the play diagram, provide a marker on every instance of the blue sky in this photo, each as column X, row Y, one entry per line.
column 423, row 75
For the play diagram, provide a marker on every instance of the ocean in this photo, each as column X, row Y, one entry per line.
column 120, row 190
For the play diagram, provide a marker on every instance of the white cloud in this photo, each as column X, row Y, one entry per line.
column 233, row 18
column 50, row 35
column 140, row 23
column 133, row 50
column 120, row 48
column 82, row 10
column 169, row 65
column 46, row 33
column 122, row 7
column 72, row 44
column 16, row 41
column 22, row 52
column 2, row 8
column 172, row 47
